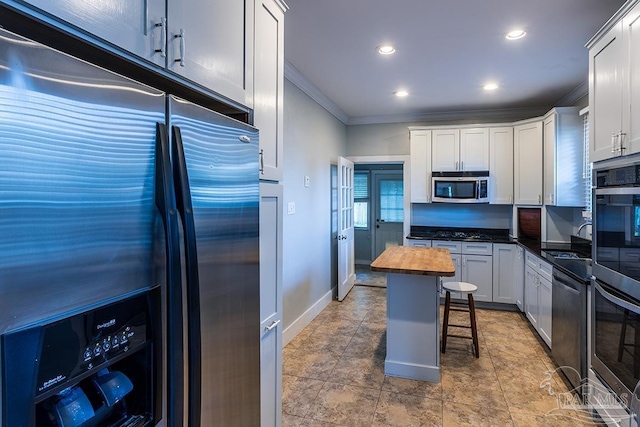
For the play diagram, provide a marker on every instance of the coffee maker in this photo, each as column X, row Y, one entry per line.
column 97, row 368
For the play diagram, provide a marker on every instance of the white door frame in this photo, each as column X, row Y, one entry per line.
column 404, row 160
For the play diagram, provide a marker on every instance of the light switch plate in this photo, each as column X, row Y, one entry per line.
column 307, row 181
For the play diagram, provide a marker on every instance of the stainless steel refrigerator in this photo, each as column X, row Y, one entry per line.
column 109, row 187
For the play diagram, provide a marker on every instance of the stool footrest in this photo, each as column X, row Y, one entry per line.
column 459, row 309
column 460, row 326
column 460, row 336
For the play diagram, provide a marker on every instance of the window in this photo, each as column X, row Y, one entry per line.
column 391, row 200
column 361, row 199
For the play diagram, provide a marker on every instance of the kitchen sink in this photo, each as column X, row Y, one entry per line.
column 567, row 255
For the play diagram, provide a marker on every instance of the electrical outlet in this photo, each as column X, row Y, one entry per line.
column 291, row 208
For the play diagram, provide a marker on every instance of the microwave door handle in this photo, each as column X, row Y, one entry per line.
column 618, row 301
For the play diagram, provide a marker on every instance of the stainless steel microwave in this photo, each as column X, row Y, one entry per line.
column 460, row 187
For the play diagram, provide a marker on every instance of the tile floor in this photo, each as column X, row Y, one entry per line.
column 333, row 374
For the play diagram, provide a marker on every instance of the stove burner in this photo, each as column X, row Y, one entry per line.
column 461, row 235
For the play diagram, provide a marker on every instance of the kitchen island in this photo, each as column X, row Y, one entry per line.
column 413, row 313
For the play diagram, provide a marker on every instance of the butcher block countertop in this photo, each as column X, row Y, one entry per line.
column 415, row 260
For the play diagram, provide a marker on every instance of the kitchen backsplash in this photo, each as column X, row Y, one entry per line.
column 459, row 215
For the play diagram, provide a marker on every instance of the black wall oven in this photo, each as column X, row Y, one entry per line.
column 615, row 350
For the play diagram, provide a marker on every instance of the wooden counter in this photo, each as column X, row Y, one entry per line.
column 413, row 309
column 411, row 260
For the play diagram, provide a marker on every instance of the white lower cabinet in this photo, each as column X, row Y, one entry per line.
column 473, row 265
column 504, row 273
column 271, row 212
column 417, row 243
column 537, row 299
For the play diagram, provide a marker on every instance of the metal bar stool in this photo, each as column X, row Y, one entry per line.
column 464, row 288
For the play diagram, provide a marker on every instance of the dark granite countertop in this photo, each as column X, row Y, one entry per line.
column 580, row 269
column 494, row 235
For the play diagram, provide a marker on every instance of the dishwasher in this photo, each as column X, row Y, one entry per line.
column 569, row 326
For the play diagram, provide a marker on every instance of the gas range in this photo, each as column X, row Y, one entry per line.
column 475, row 234
column 460, row 235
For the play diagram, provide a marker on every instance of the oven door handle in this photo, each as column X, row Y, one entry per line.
column 618, row 191
column 617, row 301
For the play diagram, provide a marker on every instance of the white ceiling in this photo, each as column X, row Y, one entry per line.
column 446, row 51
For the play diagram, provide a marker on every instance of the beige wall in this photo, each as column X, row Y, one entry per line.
column 313, row 139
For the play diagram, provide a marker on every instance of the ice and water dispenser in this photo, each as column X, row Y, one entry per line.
column 97, row 368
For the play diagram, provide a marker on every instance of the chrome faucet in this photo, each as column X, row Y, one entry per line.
column 582, row 226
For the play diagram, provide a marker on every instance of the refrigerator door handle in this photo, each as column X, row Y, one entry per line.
column 185, row 208
column 166, row 204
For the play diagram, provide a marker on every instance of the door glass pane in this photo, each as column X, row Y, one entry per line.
column 391, row 200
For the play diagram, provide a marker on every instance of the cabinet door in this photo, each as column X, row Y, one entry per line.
column 478, row 269
column 549, row 138
column 129, row 25
column 631, row 28
column 518, row 278
column 531, row 295
column 271, row 212
column 474, row 149
column 528, row 163
column 208, row 43
column 268, row 86
column 271, row 375
column 445, row 150
column 501, row 165
column 504, row 257
column 420, row 161
column 544, row 301
column 606, row 60
column 457, row 262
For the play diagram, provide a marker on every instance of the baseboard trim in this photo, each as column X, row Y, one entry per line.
column 301, row 322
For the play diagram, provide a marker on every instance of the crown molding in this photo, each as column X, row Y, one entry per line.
column 502, row 114
column 282, row 5
column 294, row 75
column 575, row 95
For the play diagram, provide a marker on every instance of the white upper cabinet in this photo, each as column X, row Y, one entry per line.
column 563, row 158
column 135, row 26
column 501, row 165
column 445, row 150
column 460, row 149
column 210, row 43
column 527, row 163
column 207, row 42
column 420, row 162
column 631, row 96
column 614, row 87
column 474, row 149
column 268, row 85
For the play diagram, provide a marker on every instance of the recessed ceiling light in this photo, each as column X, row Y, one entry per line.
column 515, row 34
column 386, row 49
column 401, row 93
column 490, row 86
